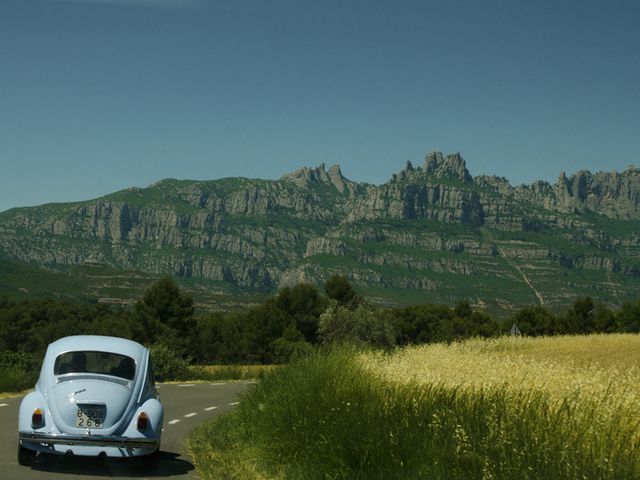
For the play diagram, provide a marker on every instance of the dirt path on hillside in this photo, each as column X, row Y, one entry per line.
column 510, row 261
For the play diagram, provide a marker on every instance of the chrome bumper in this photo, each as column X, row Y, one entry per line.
column 90, row 440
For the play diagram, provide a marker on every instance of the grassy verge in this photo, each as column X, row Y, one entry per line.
column 343, row 414
column 221, row 450
column 229, row 372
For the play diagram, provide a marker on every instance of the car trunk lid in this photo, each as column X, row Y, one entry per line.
column 89, row 402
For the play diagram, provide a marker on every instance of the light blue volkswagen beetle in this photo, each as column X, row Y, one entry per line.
column 95, row 396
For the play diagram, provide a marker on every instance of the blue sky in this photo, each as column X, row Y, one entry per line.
column 100, row 95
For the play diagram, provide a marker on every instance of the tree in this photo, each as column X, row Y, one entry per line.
column 261, row 326
column 629, row 317
column 419, row 323
column 4, row 303
column 463, row 309
column 304, row 305
column 209, row 345
column 291, row 346
column 362, row 325
column 534, row 321
column 579, row 318
column 604, row 320
column 339, row 289
column 482, row 325
column 230, row 349
column 166, row 315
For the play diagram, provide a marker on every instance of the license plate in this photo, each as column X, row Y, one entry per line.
column 90, row 416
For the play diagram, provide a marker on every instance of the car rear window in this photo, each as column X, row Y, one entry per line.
column 105, row 363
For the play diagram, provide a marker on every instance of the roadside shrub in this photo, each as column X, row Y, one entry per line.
column 229, row 372
column 13, row 379
column 22, row 360
column 286, row 351
column 167, row 364
column 18, row 371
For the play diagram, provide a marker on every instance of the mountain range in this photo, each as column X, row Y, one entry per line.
column 431, row 233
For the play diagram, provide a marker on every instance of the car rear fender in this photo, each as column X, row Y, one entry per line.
column 153, row 408
column 29, row 403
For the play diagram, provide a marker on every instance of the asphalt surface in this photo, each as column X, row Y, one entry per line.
column 185, row 406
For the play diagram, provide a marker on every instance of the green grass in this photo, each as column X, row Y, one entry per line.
column 416, row 225
column 570, row 242
column 326, row 417
column 612, row 226
column 100, row 283
column 496, row 283
column 20, row 281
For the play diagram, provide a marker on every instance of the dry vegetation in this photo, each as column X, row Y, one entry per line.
column 504, row 408
column 602, row 368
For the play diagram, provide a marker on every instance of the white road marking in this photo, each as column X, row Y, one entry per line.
column 4, row 404
column 187, row 385
column 233, row 404
column 173, row 422
column 251, row 382
column 214, row 384
column 208, row 409
column 190, row 414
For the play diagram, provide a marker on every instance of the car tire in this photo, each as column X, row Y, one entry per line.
column 25, row 456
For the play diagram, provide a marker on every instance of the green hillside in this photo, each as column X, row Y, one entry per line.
column 431, row 233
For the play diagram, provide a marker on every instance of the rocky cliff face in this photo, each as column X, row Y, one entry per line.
column 614, row 195
column 432, row 228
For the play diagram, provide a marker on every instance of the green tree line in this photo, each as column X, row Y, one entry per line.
column 285, row 326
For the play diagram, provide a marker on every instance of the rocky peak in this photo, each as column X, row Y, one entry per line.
column 405, row 173
column 305, row 176
column 616, row 195
column 408, row 166
column 451, row 166
column 432, row 160
column 492, row 182
column 336, row 178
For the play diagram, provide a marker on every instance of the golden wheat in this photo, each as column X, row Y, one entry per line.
column 579, row 370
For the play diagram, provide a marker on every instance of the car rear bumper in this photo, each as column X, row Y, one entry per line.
column 88, row 440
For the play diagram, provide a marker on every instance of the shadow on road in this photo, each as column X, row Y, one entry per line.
column 166, row 464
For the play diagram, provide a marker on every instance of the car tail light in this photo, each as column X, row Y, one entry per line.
column 143, row 421
column 37, row 419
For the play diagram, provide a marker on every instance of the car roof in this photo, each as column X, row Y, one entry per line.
column 100, row 343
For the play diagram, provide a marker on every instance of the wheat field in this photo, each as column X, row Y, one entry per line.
column 504, row 409
column 601, row 369
column 590, row 383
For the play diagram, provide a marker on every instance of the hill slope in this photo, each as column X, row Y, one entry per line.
column 431, row 233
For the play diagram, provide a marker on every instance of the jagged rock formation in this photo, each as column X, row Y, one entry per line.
column 305, row 176
column 431, row 229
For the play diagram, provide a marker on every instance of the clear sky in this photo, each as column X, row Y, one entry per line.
column 101, row 95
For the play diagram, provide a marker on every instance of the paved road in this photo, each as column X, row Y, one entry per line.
column 186, row 405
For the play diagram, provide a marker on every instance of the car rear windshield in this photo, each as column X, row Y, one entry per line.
column 104, row 363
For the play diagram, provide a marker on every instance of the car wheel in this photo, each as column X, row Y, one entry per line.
column 25, row 455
